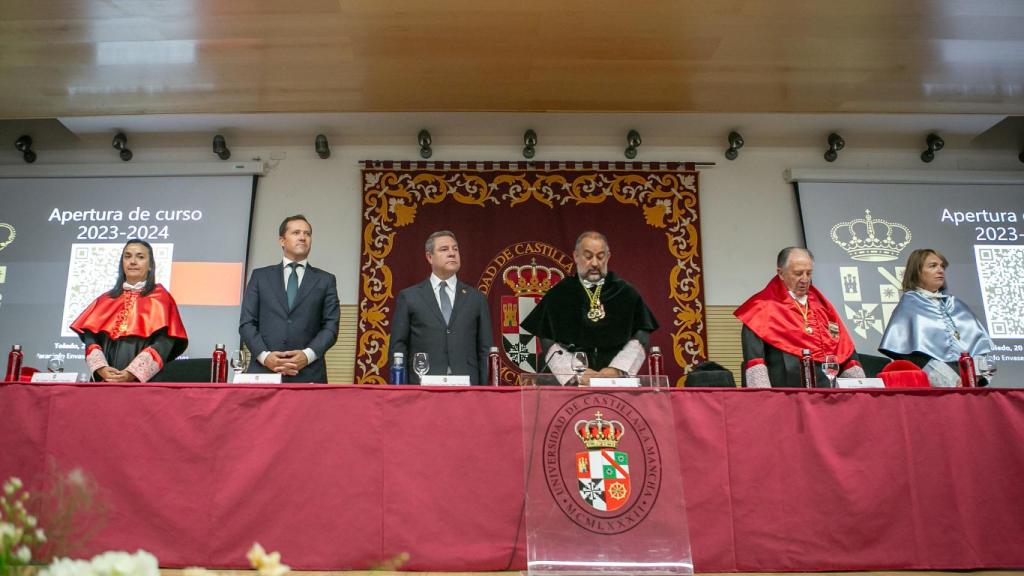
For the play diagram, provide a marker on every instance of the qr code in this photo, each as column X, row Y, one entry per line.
column 1001, row 277
column 92, row 270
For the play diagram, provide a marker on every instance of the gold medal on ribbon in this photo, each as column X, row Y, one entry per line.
column 596, row 312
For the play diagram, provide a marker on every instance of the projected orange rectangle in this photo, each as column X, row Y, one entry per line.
column 206, row 283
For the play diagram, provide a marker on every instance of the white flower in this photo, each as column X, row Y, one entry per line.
column 266, row 564
column 40, row 535
column 67, row 567
column 6, row 531
column 12, row 485
column 141, row 563
column 30, row 521
column 76, row 477
column 24, row 555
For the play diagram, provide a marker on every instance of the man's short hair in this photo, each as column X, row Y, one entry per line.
column 783, row 257
column 284, row 224
column 590, row 234
column 430, row 239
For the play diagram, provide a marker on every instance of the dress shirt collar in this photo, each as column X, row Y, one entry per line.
column 435, row 282
column 590, row 285
column 137, row 287
column 303, row 263
column 802, row 301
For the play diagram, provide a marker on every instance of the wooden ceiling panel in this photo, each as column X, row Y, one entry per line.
column 96, row 57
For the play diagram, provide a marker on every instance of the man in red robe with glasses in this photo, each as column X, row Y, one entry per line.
column 787, row 317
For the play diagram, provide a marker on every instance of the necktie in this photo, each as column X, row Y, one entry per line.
column 293, row 284
column 446, row 302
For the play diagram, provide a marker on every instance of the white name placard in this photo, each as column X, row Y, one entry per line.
column 859, row 383
column 55, row 377
column 256, row 378
column 449, row 380
column 625, row 382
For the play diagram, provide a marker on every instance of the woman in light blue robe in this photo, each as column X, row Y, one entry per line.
column 930, row 327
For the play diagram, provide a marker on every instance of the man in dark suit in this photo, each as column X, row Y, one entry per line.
column 290, row 310
column 446, row 318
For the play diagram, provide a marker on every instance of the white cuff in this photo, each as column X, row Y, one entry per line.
column 757, row 377
column 262, row 358
column 144, row 366
column 310, row 355
column 630, row 358
column 96, row 360
column 940, row 375
column 559, row 362
column 853, row 372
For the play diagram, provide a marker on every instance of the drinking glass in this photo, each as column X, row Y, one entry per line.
column 831, row 369
column 238, row 363
column 55, row 365
column 987, row 368
column 579, row 366
column 421, row 364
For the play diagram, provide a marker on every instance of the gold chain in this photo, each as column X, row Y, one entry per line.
column 804, row 312
column 596, row 312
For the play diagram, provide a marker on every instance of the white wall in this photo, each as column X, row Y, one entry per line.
column 748, row 210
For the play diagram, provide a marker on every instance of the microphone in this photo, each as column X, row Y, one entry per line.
column 548, row 358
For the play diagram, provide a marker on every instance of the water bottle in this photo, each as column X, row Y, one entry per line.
column 398, row 368
column 806, row 369
column 494, row 366
column 14, row 364
column 968, row 379
column 656, row 364
column 219, row 365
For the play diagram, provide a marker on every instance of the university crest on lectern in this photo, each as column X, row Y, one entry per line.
column 602, row 472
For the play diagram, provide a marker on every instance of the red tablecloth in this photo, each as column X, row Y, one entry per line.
column 343, row 477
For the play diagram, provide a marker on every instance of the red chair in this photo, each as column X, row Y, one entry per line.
column 26, row 373
column 903, row 374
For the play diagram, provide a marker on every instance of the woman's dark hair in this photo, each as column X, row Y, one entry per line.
column 122, row 277
column 915, row 265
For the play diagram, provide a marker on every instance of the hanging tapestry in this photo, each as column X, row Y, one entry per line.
column 516, row 223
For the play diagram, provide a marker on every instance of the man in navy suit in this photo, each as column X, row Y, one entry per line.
column 290, row 310
column 446, row 318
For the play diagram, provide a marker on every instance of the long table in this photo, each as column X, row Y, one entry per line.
column 345, row 477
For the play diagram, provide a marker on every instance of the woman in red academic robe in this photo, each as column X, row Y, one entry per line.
column 133, row 330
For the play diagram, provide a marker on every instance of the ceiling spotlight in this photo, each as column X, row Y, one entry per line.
column 120, row 144
column 424, row 141
column 220, row 147
column 632, row 143
column 323, row 150
column 24, row 145
column 835, row 144
column 530, row 141
column 735, row 143
column 934, row 143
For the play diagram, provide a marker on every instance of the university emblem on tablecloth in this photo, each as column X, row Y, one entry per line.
column 602, row 471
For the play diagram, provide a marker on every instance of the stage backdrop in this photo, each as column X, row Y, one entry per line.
column 516, row 223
